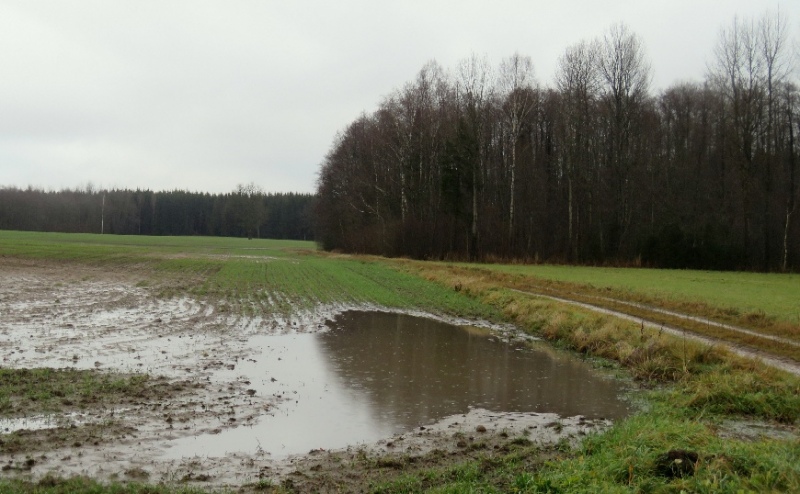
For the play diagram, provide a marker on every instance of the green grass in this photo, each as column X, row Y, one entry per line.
column 625, row 459
column 132, row 248
column 309, row 281
column 777, row 295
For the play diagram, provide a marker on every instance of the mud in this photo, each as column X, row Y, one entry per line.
column 99, row 319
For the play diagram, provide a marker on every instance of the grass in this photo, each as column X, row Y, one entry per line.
column 693, row 389
column 305, row 281
column 136, row 252
column 626, row 459
column 46, row 244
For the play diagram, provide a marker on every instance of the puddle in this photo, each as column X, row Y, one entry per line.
column 377, row 374
column 262, row 388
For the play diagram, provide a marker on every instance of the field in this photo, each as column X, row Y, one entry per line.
column 710, row 421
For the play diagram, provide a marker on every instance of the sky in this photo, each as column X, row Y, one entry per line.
column 205, row 95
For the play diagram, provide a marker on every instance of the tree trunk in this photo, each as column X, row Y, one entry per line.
column 790, row 204
column 789, row 212
column 513, row 188
column 473, row 236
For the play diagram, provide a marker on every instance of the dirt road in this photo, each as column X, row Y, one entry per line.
column 776, row 361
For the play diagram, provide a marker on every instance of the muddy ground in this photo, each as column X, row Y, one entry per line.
column 110, row 321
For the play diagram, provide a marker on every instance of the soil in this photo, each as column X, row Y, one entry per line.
column 59, row 316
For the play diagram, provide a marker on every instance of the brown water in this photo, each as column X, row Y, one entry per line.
column 375, row 374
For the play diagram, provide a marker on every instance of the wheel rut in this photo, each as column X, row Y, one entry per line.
column 776, row 361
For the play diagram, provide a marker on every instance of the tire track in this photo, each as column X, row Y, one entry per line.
column 772, row 360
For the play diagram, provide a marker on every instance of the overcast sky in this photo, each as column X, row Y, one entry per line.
column 204, row 95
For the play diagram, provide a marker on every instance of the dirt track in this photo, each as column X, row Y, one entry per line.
column 778, row 362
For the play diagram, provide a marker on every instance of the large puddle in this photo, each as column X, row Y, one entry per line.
column 376, row 374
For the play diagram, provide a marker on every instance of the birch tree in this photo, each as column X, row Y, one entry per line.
column 516, row 83
column 578, row 81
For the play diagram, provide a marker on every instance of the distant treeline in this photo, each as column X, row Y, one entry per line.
column 246, row 212
column 483, row 163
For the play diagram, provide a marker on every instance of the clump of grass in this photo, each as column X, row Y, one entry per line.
column 42, row 390
column 735, row 391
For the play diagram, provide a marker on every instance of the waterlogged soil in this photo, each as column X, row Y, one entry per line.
column 233, row 399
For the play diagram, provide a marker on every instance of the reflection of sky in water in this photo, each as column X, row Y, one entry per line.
column 376, row 374
column 315, row 410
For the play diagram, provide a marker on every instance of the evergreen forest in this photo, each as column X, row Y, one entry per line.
column 246, row 212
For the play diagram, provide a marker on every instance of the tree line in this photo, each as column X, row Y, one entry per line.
column 486, row 163
column 245, row 212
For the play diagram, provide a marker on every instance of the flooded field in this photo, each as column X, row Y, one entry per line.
column 261, row 391
column 377, row 374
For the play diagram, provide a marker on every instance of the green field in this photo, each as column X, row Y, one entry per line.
column 257, row 276
column 690, row 392
column 88, row 246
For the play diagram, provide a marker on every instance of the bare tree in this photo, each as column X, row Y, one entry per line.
column 516, row 83
column 791, row 98
column 625, row 73
column 595, row 169
column 738, row 73
column 473, row 91
column 773, row 40
column 251, row 211
column 578, row 82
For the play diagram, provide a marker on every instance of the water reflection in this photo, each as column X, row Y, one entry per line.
column 375, row 374
column 414, row 370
